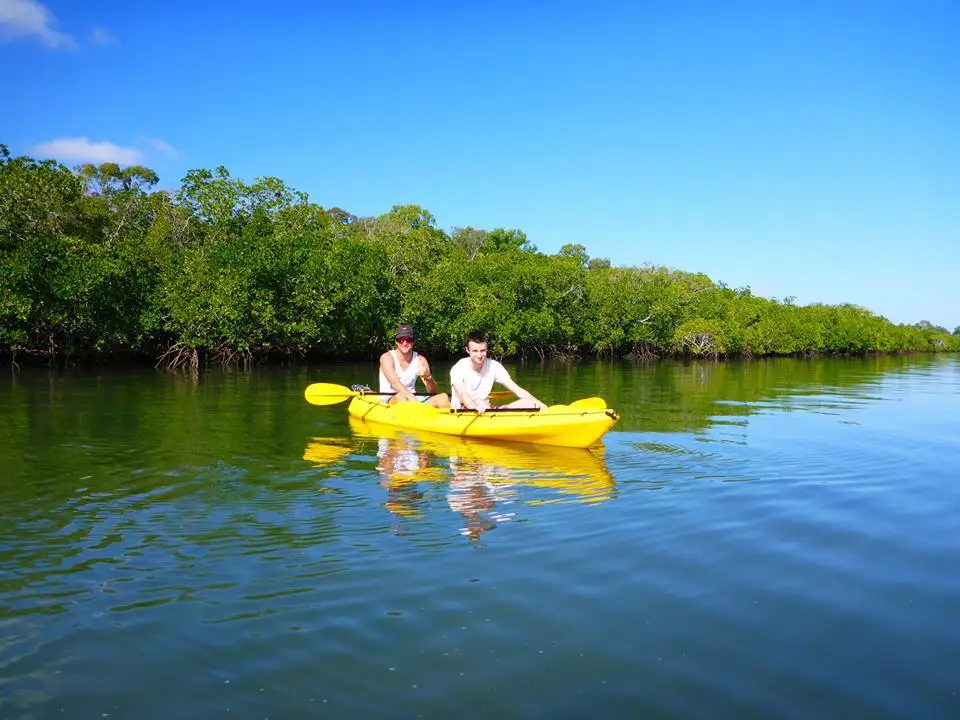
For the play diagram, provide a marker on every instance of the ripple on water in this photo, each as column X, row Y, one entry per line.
column 795, row 557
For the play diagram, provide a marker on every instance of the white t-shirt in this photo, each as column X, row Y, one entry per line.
column 478, row 383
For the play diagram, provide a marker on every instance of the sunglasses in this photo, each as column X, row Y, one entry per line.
column 405, row 340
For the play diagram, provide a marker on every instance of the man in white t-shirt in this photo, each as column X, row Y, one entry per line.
column 472, row 378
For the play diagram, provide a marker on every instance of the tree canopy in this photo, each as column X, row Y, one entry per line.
column 97, row 264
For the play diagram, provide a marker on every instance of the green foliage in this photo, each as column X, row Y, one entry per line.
column 474, row 242
column 94, row 263
column 700, row 338
column 575, row 252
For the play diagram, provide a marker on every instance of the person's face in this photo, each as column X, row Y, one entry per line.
column 477, row 352
column 404, row 344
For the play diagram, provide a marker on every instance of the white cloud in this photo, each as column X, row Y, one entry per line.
column 164, row 147
column 25, row 18
column 83, row 149
column 101, row 36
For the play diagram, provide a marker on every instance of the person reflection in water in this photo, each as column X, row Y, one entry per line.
column 401, row 466
column 475, row 488
column 474, row 496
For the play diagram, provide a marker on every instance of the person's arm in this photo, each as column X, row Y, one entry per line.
column 386, row 366
column 427, row 376
column 521, row 393
column 504, row 379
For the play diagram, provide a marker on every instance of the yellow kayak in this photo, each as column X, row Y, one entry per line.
column 580, row 424
column 578, row 472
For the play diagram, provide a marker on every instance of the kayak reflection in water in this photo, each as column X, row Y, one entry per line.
column 487, row 483
column 472, row 378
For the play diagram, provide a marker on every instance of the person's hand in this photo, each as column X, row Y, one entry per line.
column 424, row 373
column 407, row 396
column 483, row 406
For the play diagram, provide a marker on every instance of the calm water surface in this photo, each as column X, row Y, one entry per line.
column 765, row 539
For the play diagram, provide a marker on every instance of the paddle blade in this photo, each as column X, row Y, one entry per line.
column 590, row 403
column 327, row 393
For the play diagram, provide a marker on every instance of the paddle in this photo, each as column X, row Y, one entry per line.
column 331, row 394
column 497, row 410
column 590, row 403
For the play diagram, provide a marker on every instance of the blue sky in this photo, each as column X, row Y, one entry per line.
column 804, row 149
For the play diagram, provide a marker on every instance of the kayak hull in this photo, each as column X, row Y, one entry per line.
column 576, row 425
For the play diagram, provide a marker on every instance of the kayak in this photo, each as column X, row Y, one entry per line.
column 580, row 424
column 578, row 472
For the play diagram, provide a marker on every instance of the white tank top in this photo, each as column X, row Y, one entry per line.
column 407, row 376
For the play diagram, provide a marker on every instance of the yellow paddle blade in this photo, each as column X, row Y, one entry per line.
column 590, row 403
column 558, row 408
column 327, row 393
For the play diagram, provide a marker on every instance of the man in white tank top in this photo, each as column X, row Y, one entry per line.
column 400, row 368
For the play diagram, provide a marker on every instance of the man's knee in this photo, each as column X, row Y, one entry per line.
column 440, row 400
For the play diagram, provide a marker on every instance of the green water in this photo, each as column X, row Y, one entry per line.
column 762, row 539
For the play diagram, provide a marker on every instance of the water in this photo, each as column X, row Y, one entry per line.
column 761, row 539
